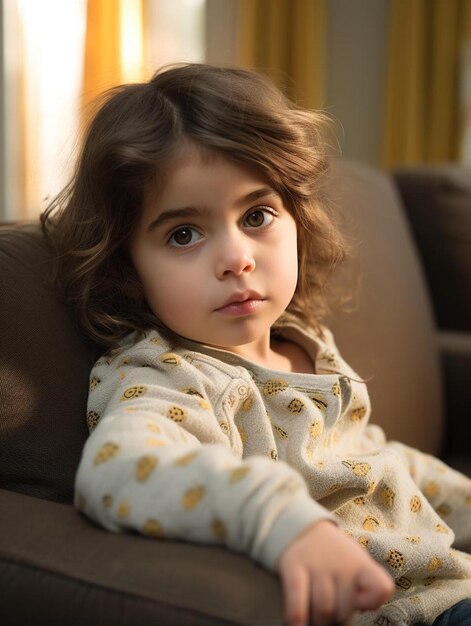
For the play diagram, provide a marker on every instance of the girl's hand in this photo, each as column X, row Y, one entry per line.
column 329, row 574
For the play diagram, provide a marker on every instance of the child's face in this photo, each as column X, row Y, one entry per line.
column 216, row 251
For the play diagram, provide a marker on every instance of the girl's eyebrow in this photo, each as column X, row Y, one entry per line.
column 172, row 214
column 189, row 211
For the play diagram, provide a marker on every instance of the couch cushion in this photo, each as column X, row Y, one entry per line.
column 44, row 368
column 389, row 339
column 58, row 568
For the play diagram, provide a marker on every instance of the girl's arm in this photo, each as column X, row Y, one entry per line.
column 144, row 466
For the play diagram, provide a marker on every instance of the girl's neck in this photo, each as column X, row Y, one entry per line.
column 277, row 353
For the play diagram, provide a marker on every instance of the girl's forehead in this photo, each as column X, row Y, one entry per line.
column 191, row 162
column 208, row 184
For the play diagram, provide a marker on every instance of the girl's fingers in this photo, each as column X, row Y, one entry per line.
column 346, row 605
column 324, row 601
column 373, row 589
column 296, row 597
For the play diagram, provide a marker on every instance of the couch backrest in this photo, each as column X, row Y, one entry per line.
column 44, row 368
column 45, row 361
column 390, row 338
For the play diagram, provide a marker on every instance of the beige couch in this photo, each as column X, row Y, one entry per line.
column 58, row 568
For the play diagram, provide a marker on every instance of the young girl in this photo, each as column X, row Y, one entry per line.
column 194, row 243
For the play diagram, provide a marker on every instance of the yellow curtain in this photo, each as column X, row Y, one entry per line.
column 421, row 112
column 465, row 89
column 286, row 40
column 114, row 45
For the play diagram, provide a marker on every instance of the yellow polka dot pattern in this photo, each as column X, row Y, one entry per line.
column 92, row 419
column 371, row 523
column 219, row 529
column 176, row 413
column 282, row 434
column 430, row 489
column 415, row 539
column 434, row 564
column 145, row 466
column 94, row 382
column 386, row 496
column 106, row 452
column 247, row 403
column 319, row 401
column 123, row 509
column 296, row 406
column 444, row 510
column 133, row 392
column 415, row 504
column 186, row 459
column 154, row 442
column 357, row 467
column 403, row 583
column 170, row 358
column 358, row 414
column 153, row 528
column 274, row 386
column 316, row 429
column 107, row 501
column 439, row 528
column 238, row 474
column 190, row 391
column 192, row 497
column 242, row 434
column 395, row 559
column 202, row 401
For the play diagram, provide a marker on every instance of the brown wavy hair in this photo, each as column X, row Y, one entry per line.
column 133, row 136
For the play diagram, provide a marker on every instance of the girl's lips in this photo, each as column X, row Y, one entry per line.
column 246, row 307
column 242, row 303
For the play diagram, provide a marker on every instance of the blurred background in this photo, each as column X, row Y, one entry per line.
column 395, row 74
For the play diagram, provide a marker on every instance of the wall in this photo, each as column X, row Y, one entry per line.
column 356, row 46
column 2, row 120
column 356, row 49
column 10, row 157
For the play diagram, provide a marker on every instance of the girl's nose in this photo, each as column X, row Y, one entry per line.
column 234, row 258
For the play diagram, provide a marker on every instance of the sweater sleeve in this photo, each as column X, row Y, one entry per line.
column 159, row 463
column 448, row 491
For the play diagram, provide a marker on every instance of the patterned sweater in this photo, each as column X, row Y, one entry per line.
column 196, row 443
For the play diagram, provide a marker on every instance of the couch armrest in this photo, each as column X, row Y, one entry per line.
column 437, row 200
column 56, row 567
column 455, row 351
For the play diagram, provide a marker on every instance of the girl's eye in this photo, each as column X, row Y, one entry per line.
column 184, row 236
column 258, row 218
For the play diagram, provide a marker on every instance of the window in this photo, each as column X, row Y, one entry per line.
column 44, row 72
